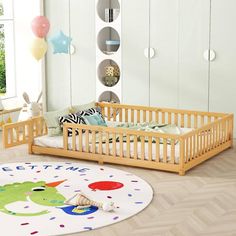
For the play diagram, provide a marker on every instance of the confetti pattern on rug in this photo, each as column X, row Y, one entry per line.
column 33, row 202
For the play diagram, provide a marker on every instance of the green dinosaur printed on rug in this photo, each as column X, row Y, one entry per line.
column 38, row 193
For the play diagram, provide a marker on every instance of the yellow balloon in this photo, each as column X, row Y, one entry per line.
column 38, row 48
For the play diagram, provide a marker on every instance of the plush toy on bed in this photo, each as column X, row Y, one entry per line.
column 81, row 201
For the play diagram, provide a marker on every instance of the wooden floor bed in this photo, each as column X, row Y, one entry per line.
column 211, row 134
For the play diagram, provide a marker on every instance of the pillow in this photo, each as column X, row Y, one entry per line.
column 82, row 107
column 89, row 112
column 72, row 119
column 95, row 119
column 51, row 119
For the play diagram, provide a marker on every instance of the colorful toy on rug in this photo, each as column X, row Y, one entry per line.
column 81, row 201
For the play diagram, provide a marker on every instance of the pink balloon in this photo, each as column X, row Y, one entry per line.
column 40, row 26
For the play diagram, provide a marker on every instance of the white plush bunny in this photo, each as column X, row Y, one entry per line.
column 30, row 109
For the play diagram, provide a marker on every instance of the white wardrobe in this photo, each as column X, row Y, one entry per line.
column 180, row 53
column 174, row 74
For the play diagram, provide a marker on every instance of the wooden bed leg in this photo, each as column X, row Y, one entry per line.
column 30, row 148
column 182, row 172
column 100, row 162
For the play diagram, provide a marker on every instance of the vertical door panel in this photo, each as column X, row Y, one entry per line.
column 193, row 41
column 57, row 65
column 223, row 68
column 135, row 38
column 83, row 61
column 164, row 64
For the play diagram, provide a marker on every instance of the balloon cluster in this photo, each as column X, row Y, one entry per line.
column 40, row 27
column 61, row 43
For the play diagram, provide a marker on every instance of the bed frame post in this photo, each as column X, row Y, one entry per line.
column 232, row 130
column 30, row 133
column 181, row 159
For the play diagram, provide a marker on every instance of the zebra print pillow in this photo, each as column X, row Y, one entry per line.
column 89, row 112
column 72, row 119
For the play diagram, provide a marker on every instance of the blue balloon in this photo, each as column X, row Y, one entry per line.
column 61, row 43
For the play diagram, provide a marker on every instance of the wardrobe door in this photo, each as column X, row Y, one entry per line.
column 223, row 68
column 135, row 38
column 57, row 65
column 193, row 42
column 83, row 60
column 164, row 63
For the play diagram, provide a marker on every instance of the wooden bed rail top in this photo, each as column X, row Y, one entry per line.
column 121, row 131
column 159, row 109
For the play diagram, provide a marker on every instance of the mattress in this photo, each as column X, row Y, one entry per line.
column 57, row 142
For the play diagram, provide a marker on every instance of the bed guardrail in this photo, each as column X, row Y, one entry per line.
column 22, row 132
column 181, row 118
column 107, row 144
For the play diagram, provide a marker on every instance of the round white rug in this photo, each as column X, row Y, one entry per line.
column 32, row 197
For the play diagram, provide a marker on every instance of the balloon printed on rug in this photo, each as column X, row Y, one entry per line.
column 42, row 198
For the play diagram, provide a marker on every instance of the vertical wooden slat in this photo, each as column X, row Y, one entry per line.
column 163, row 118
column 172, row 155
column 121, row 115
column 150, row 148
column 65, row 136
column 103, row 111
column 142, row 147
column 114, row 114
column 11, row 136
column 176, row 119
column 207, row 140
column 73, row 139
column 135, row 147
column 164, row 150
column 208, row 119
column 126, row 115
column 182, row 120
column 138, row 116
column 203, row 141
column 114, row 145
column 80, row 140
column 17, row 134
column 108, row 113
column 157, row 149
column 202, row 120
column 144, row 116
column 128, row 146
column 86, row 140
column 150, row 116
column 194, row 146
column 23, row 132
column 121, row 144
column 100, row 142
column 187, row 149
column 217, row 134
column 195, row 121
column 191, row 147
column 132, row 115
column 93, row 141
column 107, row 144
